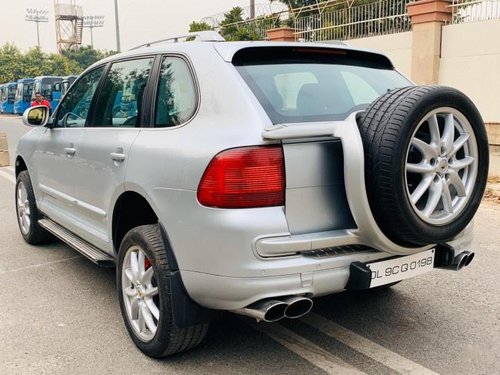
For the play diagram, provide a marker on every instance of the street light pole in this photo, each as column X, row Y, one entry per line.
column 91, row 22
column 117, row 23
column 37, row 16
column 252, row 9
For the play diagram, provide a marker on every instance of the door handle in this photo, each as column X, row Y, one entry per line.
column 70, row 151
column 117, row 156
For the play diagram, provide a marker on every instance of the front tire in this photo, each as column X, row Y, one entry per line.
column 27, row 212
column 143, row 280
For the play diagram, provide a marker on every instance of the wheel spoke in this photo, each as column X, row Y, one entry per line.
column 434, row 130
column 153, row 308
column 448, row 133
column 447, row 201
column 134, row 265
column 130, row 275
column 148, row 318
column 421, row 189
column 426, row 149
column 457, row 183
column 140, row 263
column 134, row 308
column 142, row 322
column 147, row 276
column 435, row 193
column 459, row 143
column 131, row 292
column 151, row 292
column 420, row 168
column 460, row 164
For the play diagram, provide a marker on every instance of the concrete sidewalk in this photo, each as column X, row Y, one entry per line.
column 493, row 187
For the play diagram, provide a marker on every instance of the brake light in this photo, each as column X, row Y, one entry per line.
column 244, row 177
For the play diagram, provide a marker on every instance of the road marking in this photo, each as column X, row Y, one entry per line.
column 40, row 265
column 363, row 345
column 7, row 176
column 307, row 350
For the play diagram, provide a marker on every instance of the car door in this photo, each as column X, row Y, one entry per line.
column 104, row 145
column 53, row 171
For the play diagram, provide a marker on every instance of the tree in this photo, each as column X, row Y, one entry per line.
column 232, row 27
column 199, row 26
column 85, row 56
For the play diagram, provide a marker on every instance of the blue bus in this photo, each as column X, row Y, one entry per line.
column 44, row 85
column 61, row 87
column 24, row 93
column 3, row 96
column 9, row 96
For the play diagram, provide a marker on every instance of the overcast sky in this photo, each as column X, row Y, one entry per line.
column 141, row 21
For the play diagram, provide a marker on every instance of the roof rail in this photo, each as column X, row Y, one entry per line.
column 202, row 36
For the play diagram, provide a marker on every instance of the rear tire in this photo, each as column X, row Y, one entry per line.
column 426, row 163
column 143, row 280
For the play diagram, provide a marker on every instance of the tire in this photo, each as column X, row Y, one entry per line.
column 426, row 163
column 158, row 336
column 27, row 212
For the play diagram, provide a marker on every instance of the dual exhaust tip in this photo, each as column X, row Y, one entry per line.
column 444, row 260
column 272, row 310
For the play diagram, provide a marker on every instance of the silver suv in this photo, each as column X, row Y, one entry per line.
column 250, row 177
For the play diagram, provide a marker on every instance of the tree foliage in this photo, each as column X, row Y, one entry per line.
column 15, row 64
column 199, row 26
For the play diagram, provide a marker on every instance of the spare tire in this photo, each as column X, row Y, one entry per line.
column 426, row 163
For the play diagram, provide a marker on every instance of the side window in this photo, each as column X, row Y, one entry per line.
column 120, row 101
column 176, row 97
column 74, row 109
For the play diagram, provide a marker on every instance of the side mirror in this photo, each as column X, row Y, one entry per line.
column 36, row 116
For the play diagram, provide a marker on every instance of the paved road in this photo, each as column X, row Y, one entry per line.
column 59, row 315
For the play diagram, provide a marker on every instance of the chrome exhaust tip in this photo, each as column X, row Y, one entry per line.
column 470, row 257
column 445, row 259
column 269, row 310
column 297, row 306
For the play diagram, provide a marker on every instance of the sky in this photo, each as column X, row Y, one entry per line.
column 141, row 21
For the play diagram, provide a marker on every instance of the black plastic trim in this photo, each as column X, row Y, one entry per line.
column 186, row 312
column 360, row 277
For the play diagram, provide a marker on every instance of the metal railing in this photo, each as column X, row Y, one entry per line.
column 334, row 20
column 377, row 18
column 475, row 10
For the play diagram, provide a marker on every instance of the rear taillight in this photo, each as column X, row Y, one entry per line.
column 244, row 177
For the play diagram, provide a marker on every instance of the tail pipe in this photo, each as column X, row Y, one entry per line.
column 272, row 310
column 446, row 259
column 268, row 310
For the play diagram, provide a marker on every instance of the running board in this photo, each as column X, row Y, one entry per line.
column 83, row 247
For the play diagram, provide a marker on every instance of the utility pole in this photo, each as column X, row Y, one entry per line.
column 252, row 9
column 36, row 15
column 90, row 22
column 117, row 23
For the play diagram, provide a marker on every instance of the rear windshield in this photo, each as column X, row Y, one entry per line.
column 312, row 84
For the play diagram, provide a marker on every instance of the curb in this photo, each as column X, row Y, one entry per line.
column 492, row 191
column 4, row 151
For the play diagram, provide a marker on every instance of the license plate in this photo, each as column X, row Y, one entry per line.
column 392, row 270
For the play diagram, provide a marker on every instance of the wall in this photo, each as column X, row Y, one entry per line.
column 396, row 46
column 470, row 61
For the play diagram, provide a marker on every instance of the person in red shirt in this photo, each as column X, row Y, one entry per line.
column 39, row 100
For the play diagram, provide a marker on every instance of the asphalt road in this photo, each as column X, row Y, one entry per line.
column 59, row 315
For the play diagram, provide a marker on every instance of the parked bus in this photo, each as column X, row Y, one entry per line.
column 44, row 85
column 61, row 87
column 24, row 93
column 3, row 96
column 8, row 103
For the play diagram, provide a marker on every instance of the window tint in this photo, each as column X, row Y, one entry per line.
column 74, row 109
column 120, row 101
column 176, row 98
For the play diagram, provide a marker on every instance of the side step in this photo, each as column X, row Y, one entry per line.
column 89, row 251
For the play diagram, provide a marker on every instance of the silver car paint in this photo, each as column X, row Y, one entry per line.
column 228, row 258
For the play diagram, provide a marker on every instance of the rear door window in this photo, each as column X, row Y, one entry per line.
column 121, row 99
